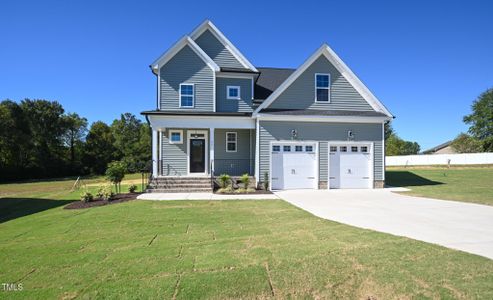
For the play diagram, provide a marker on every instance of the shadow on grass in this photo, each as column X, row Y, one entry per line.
column 13, row 208
column 405, row 178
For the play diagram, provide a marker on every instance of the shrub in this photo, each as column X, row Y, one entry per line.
column 266, row 181
column 132, row 188
column 224, row 180
column 226, row 190
column 86, row 197
column 115, row 173
column 245, row 180
column 245, row 191
column 105, row 192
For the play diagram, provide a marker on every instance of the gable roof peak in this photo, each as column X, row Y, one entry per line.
column 335, row 60
column 208, row 25
column 171, row 52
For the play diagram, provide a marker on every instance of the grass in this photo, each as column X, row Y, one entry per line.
column 214, row 249
column 466, row 184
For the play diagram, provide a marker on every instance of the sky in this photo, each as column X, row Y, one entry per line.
column 427, row 61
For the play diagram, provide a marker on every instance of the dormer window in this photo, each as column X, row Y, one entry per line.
column 322, row 87
column 187, row 96
column 233, row 92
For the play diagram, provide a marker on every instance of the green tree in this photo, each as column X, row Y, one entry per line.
column 388, row 130
column 99, row 148
column 45, row 120
column 75, row 132
column 115, row 173
column 481, row 119
column 15, row 141
column 132, row 141
column 394, row 145
column 464, row 143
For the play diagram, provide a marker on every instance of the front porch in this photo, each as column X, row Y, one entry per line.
column 185, row 147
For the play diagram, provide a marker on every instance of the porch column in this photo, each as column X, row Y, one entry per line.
column 154, row 153
column 211, row 149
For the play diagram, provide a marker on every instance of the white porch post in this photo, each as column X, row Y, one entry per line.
column 257, row 152
column 154, row 153
column 211, row 149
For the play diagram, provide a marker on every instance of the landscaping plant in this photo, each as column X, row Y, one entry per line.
column 132, row 188
column 266, row 181
column 115, row 173
column 86, row 197
column 224, row 180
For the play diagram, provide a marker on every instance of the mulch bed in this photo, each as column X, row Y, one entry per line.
column 257, row 192
column 119, row 198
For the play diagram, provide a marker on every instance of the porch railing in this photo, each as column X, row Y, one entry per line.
column 233, row 167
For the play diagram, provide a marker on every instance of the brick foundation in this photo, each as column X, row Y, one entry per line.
column 379, row 184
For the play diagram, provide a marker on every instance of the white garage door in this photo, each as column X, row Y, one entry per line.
column 293, row 166
column 350, row 166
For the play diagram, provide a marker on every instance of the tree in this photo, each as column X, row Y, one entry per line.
column 481, row 120
column 132, row 140
column 115, row 173
column 394, row 145
column 99, row 148
column 75, row 132
column 464, row 143
column 388, row 130
column 45, row 120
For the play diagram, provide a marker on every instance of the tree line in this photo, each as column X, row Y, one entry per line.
column 38, row 139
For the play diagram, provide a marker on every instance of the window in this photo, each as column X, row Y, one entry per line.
column 322, row 86
column 298, row 148
column 176, row 137
column 333, row 148
column 364, row 149
column 309, row 148
column 286, row 148
column 354, row 149
column 276, row 148
column 231, row 141
column 186, row 95
column 233, row 92
column 343, row 149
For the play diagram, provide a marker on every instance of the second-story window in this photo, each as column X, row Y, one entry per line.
column 322, row 87
column 233, row 92
column 187, row 96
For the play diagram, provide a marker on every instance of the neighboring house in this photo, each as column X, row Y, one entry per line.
column 317, row 126
column 445, row 148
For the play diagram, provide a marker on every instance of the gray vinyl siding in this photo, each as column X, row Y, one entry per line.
column 322, row 132
column 323, row 156
column 301, row 93
column 229, row 105
column 174, row 156
column 216, row 50
column 187, row 67
column 238, row 162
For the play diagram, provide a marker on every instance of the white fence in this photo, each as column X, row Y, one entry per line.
column 440, row 159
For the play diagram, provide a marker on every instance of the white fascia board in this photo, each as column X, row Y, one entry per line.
column 171, row 52
column 194, row 121
column 207, row 24
column 328, row 119
column 341, row 67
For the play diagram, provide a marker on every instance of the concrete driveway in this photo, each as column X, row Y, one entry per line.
column 457, row 225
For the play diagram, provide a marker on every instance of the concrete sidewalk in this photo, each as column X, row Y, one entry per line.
column 458, row 225
column 203, row 196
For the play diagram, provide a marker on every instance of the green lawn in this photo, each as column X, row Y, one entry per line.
column 215, row 249
column 466, row 184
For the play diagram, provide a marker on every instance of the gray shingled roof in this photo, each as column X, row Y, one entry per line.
column 313, row 112
column 269, row 80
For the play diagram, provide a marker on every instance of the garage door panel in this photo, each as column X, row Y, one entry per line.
column 350, row 169
column 293, row 169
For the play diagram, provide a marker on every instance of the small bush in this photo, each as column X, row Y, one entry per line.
column 86, row 197
column 245, row 180
column 224, row 180
column 132, row 188
column 226, row 190
column 105, row 192
column 245, row 191
column 266, row 181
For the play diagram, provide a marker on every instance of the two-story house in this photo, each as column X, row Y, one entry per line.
column 317, row 126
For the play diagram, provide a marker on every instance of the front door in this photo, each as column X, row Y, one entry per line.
column 197, row 156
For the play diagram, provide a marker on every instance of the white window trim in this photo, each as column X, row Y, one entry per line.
column 233, row 87
column 176, row 131
column 324, row 88
column 193, row 95
column 236, row 141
